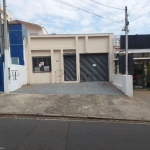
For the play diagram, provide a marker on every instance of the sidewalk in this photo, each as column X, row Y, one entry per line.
column 93, row 106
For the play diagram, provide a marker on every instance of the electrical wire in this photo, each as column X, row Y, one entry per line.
column 99, row 8
column 139, row 10
column 140, row 16
column 45, row 30
column 106, row 5
column 62, row 2
column 119, row 29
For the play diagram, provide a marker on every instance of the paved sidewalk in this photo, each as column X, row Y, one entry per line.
column 96, row 106
column 142, row 96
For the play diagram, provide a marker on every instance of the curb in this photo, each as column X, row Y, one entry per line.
column 61, row 116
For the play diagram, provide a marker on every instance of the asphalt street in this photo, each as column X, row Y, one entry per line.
column 46, row 134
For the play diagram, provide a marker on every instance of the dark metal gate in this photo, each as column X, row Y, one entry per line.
column 70, row 67
column 94, row 67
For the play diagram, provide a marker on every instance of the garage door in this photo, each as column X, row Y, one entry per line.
column 70, row 67
column 94, row 67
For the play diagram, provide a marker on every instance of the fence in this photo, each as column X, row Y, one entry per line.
column 141, row 72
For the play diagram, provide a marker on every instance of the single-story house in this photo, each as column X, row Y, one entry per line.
column 69, row 58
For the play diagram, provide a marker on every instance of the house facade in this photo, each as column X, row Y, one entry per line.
column 17, row 32
column 8, row 14
column 17, row 75
column 139, row 46
column 9, row 17
column 69, row 58
column 32, row 28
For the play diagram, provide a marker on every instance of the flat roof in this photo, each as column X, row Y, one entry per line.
column 26, row 24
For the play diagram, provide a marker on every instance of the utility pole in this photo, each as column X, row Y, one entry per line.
column 126, row 32
column 1, row 42
column 5, row 27
column 6, row 51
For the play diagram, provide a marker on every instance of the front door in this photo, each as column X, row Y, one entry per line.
column 70, row 67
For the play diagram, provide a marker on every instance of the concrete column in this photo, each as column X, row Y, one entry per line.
column 127, row 85
column 30, row 71
column 62, row 66
column 24, row 57
column 86, row 44
column 53, row 67
column 6, row 71
column 110, row 57
column 77, row 60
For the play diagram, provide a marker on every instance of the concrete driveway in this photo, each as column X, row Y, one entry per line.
column 104, row 88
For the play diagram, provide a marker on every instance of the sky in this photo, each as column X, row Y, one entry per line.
column 58, row 18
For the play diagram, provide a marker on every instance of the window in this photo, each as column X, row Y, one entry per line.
column 41, row 64
column 15, row 60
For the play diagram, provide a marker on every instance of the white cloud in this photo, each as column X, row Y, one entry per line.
column 58, row 18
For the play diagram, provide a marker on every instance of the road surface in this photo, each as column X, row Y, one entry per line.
column 45, row 134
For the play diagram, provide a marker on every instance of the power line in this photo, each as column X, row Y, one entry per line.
column 62, row 2
column 140, row 16
column 105, row 5
column 45, row 30
column 119, row 29
column 99, row 8
column 140, row 10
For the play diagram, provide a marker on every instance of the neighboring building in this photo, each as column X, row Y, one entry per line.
column 16, row 61
column 69, row 58
column 9, row 15
column 32, row 29
column 17, row 32
column 9, row 18
column 139, row 45
column 117, row 42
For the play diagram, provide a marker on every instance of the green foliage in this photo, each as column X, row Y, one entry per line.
column 148, row 72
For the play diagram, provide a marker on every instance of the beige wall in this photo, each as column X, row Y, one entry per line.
column 81, row 45
column 98, row 44
column 57, row 72
column 56, row 45
column 53, row 42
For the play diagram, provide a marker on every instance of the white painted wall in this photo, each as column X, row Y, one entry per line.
column 21, row 78
column 10, row 84
column 6, row 70
column 34, row 31
column 123, row 83
column 117, row 81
